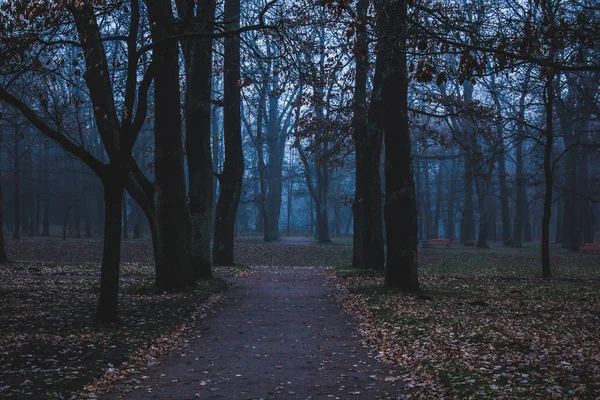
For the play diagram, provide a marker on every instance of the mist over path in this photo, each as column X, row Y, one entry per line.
column 278, row 335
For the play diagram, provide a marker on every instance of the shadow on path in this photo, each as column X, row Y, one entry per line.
column 278, row 335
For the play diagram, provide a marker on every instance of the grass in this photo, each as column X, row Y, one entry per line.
column 50, row 345
column 486, row 325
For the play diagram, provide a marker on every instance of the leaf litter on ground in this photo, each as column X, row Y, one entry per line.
column 485, row 326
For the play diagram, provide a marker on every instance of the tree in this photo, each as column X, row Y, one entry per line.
column 400, row 201
column 367, row 244
column 198, row 64
column 230, row 178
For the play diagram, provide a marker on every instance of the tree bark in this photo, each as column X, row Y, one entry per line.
column 108, row 304
column 450, row 203
column 17, row 185
column 548, row 177
column 367, row 210
column 198, row 69
column 400, row 202
column 233, row 167
column 125, row 220
column 467, row 234
column 173, row 223
column 46, row 217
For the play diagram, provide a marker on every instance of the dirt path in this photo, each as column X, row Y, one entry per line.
column 278, row 336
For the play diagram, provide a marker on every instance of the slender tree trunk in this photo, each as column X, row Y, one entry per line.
column 559, row 221
column 482, row 188
column 438, row 200
column 467, row 234
column 233, row 167
column 428, row 203
column 125, row 220
column 289, row 199
column 521, row 194
column 548, row 176
column 400, row 201
column 3, row 256
column 504, row 208
column 17, row 186
column 46, row 217
column 527, row 233
column 450, row 202
column 215, row 166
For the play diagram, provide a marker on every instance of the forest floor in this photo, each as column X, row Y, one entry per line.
column 485, row 326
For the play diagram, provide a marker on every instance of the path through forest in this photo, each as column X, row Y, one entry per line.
column 279, row 335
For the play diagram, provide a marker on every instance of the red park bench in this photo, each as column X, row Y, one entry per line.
column 439, row 242
column 591, row 247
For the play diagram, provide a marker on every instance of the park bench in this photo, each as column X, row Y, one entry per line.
column 591, row 247
column 439, row 242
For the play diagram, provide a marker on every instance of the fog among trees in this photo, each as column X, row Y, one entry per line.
column 194, row 123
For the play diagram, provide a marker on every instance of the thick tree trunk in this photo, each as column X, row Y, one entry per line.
column 274, row 168
column 368, row 131
column 173, row 222
column 400, row 201
column 108, row 310
column 198, row 68
column 233, row 167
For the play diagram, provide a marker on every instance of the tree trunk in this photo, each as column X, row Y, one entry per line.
column 125, row 220
column 233, row 167
column 400, row 202
column 450, row 203
column 17, row 186
column 173, row 223
column 482, row 188
column 521, row 194
column 275, row 162
column 527, row 234
column 3, row 256
column 368, row 131
column 46, row 218
column 467, row 234
column 438, row 200
column 198, row 68
column 108, row 304
column 504, row 208
column 548, row 177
